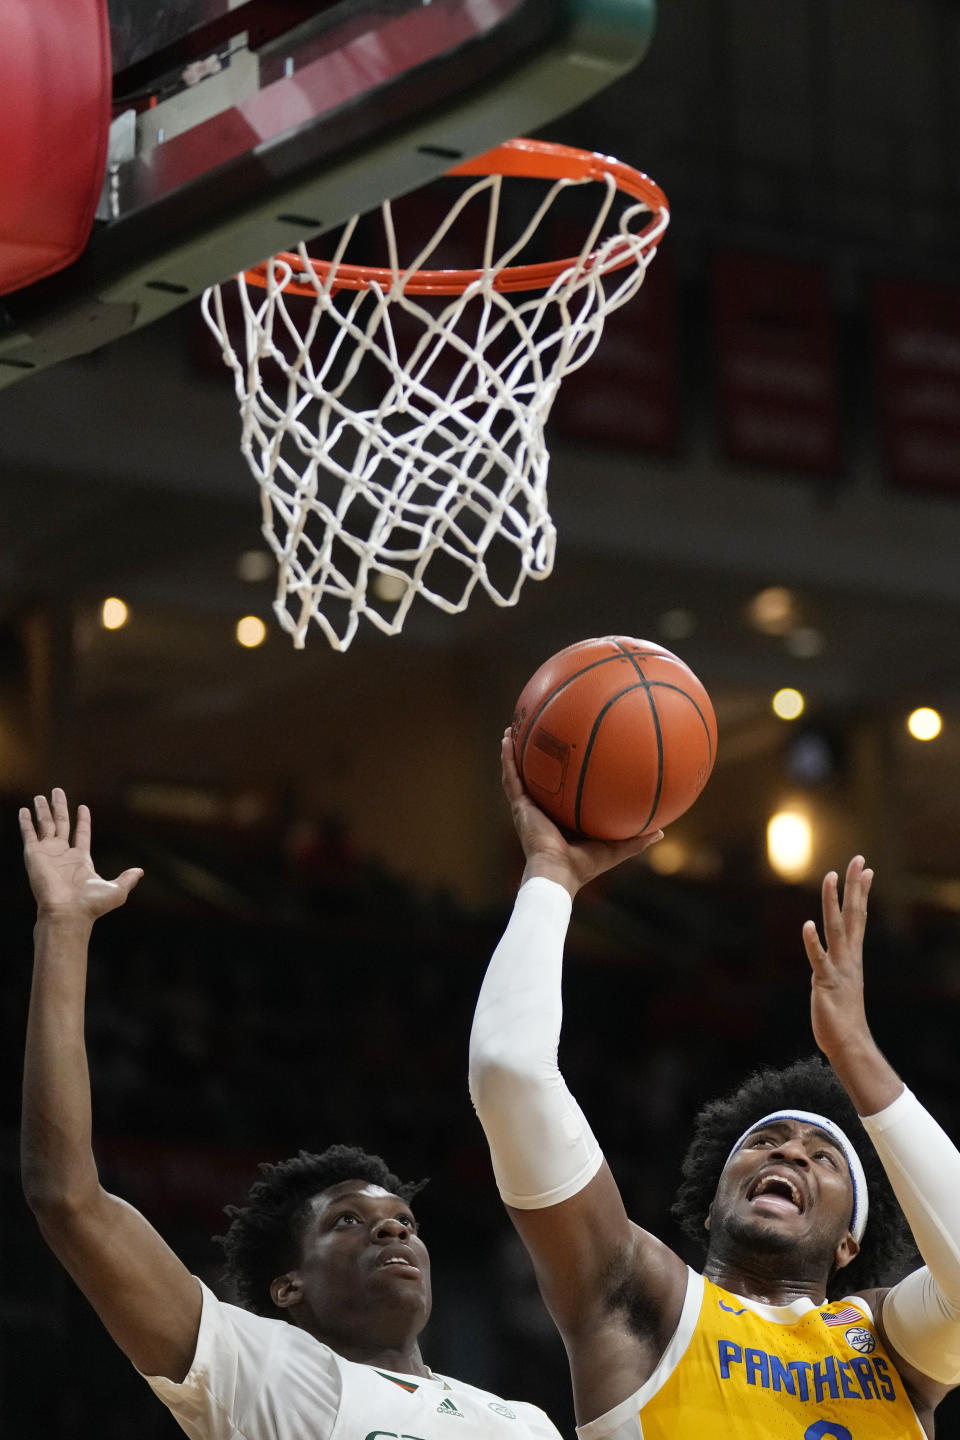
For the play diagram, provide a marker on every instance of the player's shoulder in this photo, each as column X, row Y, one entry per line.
column 260, row 1332
column 869, row 1301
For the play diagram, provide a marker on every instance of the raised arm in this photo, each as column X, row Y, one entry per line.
column 837, row 1010
column 145, row 1297
column 595, row 1268
column 920, row 1315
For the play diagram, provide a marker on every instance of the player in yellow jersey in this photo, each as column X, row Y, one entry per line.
column 788, row 1331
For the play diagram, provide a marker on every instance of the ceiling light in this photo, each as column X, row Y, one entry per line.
column 789, row 843
column 114, row 614
column 924, row 724
column 788, row 703
column 254, row 566
column 251, row 632
column 773, row 611
column 668, row 856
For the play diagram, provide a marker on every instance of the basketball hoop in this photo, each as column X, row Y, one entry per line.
column 393, row 415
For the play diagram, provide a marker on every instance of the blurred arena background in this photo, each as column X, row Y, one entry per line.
column 760, row 469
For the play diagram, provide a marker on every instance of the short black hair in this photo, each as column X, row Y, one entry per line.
column 886, row 1250
column 263, row 1240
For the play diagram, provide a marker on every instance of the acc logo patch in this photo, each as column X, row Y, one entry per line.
column 502, row 1410
column 860, row 1339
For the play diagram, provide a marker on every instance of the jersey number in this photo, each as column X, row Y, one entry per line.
column 826, row 1430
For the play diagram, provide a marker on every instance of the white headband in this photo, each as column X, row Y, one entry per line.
column 861, row 1203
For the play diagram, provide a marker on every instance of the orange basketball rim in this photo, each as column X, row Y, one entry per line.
column 524, row 159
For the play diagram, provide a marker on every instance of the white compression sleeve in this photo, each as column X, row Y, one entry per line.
column 542, row 1148
column 922, row 1313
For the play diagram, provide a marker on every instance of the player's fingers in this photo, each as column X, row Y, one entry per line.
column 832, row 917
column 638, row 843
column 811, row 943
column 45, row 826
column 866, row 880
column 512, row 783
column 26, row 825
column 129, row 879
column 859, row 878
column 852, row 880
column 81, row 836
column 855, row 902
column 61, row 813
column 609, row 853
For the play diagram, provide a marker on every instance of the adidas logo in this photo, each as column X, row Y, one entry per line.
column 447, row 1407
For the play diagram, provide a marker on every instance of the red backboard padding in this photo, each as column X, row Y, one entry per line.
column 55, row 111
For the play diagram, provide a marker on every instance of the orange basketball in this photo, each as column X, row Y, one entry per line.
column 614, row 737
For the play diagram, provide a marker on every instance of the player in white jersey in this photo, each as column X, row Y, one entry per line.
column 326, row 1248
column 772, row 1338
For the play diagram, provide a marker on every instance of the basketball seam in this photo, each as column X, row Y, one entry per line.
column 645, row 685
column 604, row 660
column 666, row 685
column 641, row 684
column 656, row 725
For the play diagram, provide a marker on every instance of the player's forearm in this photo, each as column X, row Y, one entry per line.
column 865, row 1073
column 541, row 1146
column 58, row 1168
column 922, row 1312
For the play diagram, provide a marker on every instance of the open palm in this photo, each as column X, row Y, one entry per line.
column 61, row 872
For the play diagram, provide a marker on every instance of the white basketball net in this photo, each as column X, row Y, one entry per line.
column 398, row 439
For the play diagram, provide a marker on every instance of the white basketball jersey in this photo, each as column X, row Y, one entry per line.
column 378, row 1405
column 254, row 1378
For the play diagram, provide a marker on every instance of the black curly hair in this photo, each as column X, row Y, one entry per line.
column 887, row 1248
column 263, row 1240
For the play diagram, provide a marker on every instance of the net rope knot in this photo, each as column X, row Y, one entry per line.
column 394, row 417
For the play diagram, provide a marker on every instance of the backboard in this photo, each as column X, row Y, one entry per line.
column 243, row 127
column 140, row 31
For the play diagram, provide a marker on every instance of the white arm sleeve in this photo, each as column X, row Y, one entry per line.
column 541, row 1146
column 922, row 1313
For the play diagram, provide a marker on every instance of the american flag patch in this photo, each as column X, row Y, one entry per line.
column 847, row 1316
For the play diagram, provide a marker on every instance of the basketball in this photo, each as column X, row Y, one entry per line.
column 614, row 737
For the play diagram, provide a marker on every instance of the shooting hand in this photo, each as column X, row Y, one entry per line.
column 550, row 853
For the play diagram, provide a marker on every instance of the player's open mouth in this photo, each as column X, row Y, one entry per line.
column 776, row 1193
column 392, row 1260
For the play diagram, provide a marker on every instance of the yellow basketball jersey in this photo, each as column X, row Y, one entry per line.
column 764, row 1372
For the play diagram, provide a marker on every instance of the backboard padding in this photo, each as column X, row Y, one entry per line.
column 278, row 168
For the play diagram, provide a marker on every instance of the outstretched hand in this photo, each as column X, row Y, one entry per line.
column 550, row 853
column 837, row 1009
column 61, row 873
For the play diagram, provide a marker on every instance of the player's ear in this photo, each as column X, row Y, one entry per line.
column 706, row 1223
column 287, row 1290
column 847, row 1250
